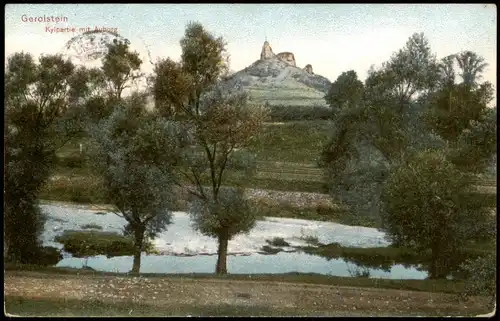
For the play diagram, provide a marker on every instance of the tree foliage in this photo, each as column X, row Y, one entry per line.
column 452, row 109
column 40, row 117
column 412, row 69
column 226, row 217
column 472, row 66
column 477, row 144
column 171, row 87
column 345, row 92
column 223, row 218
column 383, row 128
column 427, row 204
column 133, row 153
column 409, row 104
column 203, row 57
column 121, row 68
column 215, row 124
column 460, row 113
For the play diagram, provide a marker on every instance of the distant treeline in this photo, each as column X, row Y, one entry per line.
column 283, row 113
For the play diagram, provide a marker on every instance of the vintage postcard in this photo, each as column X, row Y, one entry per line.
column 250, row 160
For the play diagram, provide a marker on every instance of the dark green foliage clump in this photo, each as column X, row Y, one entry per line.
column 91, row 243
column 49, row 255
column 406, row 146
column 282, row 113
column 427, row 205
column 36, row 125
column 278, row 241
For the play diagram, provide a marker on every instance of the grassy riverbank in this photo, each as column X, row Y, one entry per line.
column 437, row 286
column 90, row 294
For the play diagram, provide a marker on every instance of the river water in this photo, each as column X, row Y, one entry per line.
column 184, row 250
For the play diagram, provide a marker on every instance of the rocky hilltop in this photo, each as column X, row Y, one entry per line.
column 276, row 79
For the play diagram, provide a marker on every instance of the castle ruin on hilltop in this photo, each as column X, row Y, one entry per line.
column 288, row 57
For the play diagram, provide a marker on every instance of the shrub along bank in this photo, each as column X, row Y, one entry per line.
column 91, row 243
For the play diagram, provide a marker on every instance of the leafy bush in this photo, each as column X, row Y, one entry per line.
column 278, row 241
column 427, row 206
column 42, row 256
column 24, row 223
column 230, row 215
column 48, row 255
column 91, row 243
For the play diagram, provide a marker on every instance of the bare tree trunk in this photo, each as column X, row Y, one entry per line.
column 435, row 271
column 221, row 267
column 432, row 270
column 139, row 238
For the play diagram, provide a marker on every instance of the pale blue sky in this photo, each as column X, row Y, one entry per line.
column 332, row 37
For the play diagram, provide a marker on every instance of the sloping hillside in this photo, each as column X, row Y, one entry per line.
column 276, row 82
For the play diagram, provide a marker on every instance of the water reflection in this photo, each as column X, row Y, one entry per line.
column 252, row 264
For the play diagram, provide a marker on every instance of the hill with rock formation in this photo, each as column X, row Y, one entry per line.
column 277, row 80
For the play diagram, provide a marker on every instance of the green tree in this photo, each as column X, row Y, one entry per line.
column 121, row 68
column 204, row 59
column 446, row 71
column 427, row 205
column 383, row 129
column 40, row 117
column 412, row 70
column 476, row 146
column 215, row 125
column 460, row 113
column 91, row 93
column 223, row 218
column 471, row 65
column 171, row 87
column 134, row 152
column 345, row 92
column 451, row 110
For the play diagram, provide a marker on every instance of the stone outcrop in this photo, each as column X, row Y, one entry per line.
column 309, row 69
column 287, row 57
column 267, row 52
column 277, row 79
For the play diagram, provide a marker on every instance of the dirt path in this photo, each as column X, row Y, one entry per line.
column 163, row 291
